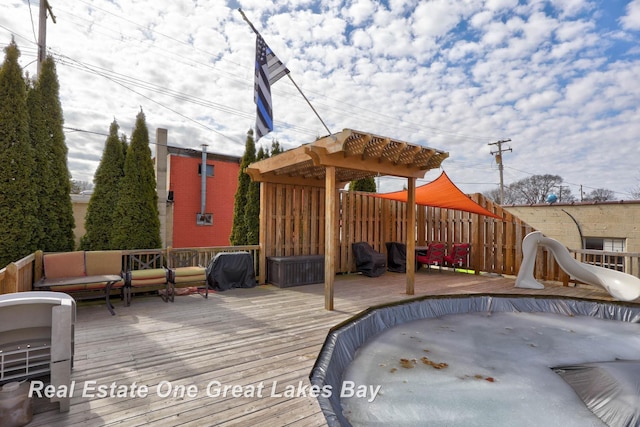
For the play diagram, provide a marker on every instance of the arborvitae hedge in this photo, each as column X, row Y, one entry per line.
column 18, row 207
column 136, row 218
column 99, row 218
column 54, row 199
column 365, row 184
column 252, row 208
column 239, row 228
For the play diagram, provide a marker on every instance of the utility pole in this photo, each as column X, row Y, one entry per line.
column 42, row 32
column 498, row 155
column 560, row 187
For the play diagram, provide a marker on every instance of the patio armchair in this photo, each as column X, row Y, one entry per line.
column 434, row 256
column 368, row 261
column 459, row 255
column 146, row 270
column 185, row 270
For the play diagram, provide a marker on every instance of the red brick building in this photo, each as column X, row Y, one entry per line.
column 185, row 226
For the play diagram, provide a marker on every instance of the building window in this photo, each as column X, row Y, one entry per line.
column 606, row 245
column 209, row 169
column 204, row 219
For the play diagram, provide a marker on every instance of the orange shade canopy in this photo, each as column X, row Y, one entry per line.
column 441, row 193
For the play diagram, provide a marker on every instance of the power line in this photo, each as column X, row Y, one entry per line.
column 128, row 82
column 397, row 123
column 83, row 131
column 33, row 27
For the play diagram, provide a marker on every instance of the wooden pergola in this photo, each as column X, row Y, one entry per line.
column 330, row 163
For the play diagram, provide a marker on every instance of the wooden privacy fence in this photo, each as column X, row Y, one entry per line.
column 294, row 225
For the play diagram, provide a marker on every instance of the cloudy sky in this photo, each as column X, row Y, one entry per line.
column 560, row 79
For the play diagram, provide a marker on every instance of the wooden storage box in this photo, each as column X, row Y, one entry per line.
column 295, row 270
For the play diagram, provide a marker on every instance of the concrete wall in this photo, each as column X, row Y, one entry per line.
column 619, row 220
column 80, row 205
column 161, row 183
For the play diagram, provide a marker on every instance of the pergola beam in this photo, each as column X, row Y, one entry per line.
column 334, row 160
column 322, row 157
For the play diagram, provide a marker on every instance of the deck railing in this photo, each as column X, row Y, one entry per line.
column 294, row 226
column 548, row 269
column 627, row 262
column 20, row 275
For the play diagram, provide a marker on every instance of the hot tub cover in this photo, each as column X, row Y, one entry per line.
column 611, row 390
column 594, row 383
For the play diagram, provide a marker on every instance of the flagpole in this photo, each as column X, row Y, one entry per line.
column 305, row 98
column 288, row 74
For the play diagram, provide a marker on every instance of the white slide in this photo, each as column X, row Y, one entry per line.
column 621, row 286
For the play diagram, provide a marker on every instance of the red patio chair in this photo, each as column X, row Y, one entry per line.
column 434, row 256
column 458, row 256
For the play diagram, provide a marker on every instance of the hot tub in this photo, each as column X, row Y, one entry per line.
column 483, row 360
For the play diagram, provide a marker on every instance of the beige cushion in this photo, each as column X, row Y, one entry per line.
column 189, row 271
column 64, row 264
column 152, row 273
column 88, row 286
column 148, row 282
column 103, row 262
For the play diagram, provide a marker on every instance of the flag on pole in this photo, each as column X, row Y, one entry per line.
column 269, row 69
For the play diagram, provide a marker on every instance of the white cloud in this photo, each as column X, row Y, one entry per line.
column 631, row 21
column 454, row 75
column 360, row 11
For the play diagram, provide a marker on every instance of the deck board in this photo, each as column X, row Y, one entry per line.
column 240, row 337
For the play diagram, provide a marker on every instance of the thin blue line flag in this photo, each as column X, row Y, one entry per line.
column 269, row 69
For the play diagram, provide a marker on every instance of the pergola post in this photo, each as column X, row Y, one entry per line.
column 262, row 259
column 411, row 235
column 330, row 192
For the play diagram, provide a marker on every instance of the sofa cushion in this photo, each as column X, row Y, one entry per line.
column 149, row 277
column 103, row 262
column 188, row 274
column 189, row 271
column 88, row 286
column 64, row 264
column 148, row 282
column 152, row 273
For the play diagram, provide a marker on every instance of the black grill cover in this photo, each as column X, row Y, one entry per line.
column 396, row 257
column 231, row 270
column 368, row 261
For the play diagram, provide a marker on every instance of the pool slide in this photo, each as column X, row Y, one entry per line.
column 621, row 286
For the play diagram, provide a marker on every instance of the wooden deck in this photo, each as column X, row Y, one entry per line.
column 240, row 337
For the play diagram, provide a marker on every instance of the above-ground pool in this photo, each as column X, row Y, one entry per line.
column 483, row 360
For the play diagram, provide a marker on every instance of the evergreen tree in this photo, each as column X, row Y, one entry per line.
column 276, row 148
column 55, row 210
column 239, row 228
column 364, row 184
column 252, row 208
column 18, row 208
column 99, row 218
column 136, row 221
column 38, row 138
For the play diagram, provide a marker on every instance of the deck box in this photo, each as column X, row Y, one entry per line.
column 295, row 270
